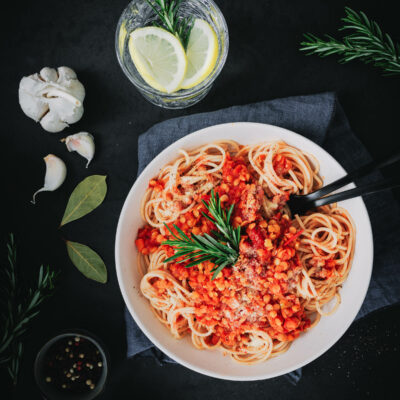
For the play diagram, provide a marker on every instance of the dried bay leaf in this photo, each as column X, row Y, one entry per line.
column 88, row 262
column 88, row 195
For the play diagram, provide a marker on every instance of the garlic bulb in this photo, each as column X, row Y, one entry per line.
column 56, row 172
column 82, row 143
column 52, row 97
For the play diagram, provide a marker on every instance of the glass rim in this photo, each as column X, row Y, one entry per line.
column 144, row 87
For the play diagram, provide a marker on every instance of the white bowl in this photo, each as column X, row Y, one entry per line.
column 309, row 345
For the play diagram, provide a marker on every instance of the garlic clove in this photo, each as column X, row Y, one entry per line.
column 66, row 74
column 82, row 143
column 54, row 98
column 48, row 74
column 56, row 172
column 32, row 106
column 52, row 123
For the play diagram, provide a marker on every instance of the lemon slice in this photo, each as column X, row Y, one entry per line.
column 201, row 53
column 159, row 58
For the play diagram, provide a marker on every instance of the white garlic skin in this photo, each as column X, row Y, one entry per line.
column 56, row 171
column 82, row 143
column 53, row 98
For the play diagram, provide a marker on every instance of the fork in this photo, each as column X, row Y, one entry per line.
column 299, row 204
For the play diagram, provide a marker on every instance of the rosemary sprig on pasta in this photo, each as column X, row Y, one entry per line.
column 222, row 250
column 221, row 219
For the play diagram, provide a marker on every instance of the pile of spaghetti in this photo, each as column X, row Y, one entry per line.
column 288, row 266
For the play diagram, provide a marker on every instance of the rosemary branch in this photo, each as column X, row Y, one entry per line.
column 167, row 12
column 366, row 43
column 19, row 309
column 222, row 249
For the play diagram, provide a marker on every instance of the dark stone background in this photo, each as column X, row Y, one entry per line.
column 263, row 63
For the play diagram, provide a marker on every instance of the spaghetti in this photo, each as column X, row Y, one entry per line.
column 287, row 269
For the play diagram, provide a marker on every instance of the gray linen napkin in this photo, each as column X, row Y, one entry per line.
column 320, row 118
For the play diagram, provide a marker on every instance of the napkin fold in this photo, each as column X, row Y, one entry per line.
column 320, row 118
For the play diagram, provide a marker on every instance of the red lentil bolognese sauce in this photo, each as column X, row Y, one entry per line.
column 285, row 267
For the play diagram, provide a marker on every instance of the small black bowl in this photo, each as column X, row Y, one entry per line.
column 54, row 391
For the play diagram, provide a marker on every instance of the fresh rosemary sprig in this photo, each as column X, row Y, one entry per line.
column 221, row 219
column 223, row 250
column 167, row 12
column 19, row 309
column 367, row 43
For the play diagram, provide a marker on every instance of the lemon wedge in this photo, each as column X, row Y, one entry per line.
column 159, row 58
column 201, row 53
column 121, row 38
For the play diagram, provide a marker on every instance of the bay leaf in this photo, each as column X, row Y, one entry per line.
column 87, row 196
column 87, row 261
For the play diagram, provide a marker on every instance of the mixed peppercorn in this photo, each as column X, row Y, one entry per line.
column 73, row 364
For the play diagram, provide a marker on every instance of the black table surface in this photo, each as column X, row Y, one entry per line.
column 263, row 63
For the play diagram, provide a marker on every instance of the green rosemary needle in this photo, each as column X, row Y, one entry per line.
column 221, row 219
column 19, row 309
column 366, row 43
column 222, row 250
column 167, row 12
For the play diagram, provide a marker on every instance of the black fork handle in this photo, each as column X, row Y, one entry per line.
column 356, row 174
column 387, row 183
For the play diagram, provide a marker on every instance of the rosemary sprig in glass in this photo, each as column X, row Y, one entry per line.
column 19, row 309
column 367, row 43
column 222, row 250
column 167, row 12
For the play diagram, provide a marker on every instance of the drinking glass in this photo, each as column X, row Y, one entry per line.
column 138, row 14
